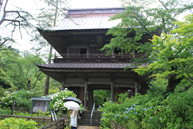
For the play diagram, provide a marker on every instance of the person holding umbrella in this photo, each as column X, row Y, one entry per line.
column 73, row 121
column 73, row 107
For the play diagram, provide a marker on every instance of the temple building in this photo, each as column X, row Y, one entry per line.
column 81, row 66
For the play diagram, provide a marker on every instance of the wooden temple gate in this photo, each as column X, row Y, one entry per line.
column 81, row 66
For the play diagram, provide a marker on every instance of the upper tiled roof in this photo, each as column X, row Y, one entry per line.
column 78, row 19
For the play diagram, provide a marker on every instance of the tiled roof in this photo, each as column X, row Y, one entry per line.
column 85, row 65
column 89, row 19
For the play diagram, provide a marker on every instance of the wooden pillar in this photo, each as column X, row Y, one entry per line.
column 91, row 98
column 63, row 87
column 117, row 92
column 112, row 91
column 85, row 94
column 68, row 51
column 133, row 51
column 87, row 54
column 132, row 91
column 136, row 89
column 81, row 94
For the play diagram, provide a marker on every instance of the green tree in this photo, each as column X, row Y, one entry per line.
column 21, row 69
column 56, row 10
column 172, row 57
column 145, row 18
column 5, row 83
column 142, row 18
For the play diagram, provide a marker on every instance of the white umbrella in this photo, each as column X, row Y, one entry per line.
column 71, row 105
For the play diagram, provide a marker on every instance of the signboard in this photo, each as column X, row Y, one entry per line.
column 40, row 105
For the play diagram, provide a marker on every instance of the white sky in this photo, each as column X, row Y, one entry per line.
column 32, row 5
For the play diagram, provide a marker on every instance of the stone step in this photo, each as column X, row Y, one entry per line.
column 85, row 118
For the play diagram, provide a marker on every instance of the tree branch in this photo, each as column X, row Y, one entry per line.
column 37, row 79
column 163, row 4
column 4, row 12
column 186, row 88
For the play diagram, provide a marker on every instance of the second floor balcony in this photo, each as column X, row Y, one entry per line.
column 100, row 57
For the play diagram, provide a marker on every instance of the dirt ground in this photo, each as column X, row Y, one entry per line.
column 88, row 127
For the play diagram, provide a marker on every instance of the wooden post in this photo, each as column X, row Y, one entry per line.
column 136, row 90
column 87, row 54
column 85, row 94
column 133, row 51
column 132, row 92
column 63, row 85
column 112, row 91
column 32, row 107
column 13, row 107
column 91, row 97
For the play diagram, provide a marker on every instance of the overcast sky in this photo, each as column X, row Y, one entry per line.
column 32, row 5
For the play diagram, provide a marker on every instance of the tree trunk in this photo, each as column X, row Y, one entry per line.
column 1, row 4
column 50, row 54
column 29, row 85
column 47, row 85
column 48, row 78
column 172, row 81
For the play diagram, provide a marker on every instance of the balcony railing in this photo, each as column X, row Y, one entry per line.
column 94, row 57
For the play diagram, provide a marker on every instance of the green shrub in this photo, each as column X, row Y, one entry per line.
column 8, row 98
column 24, row 98
column 151, row 112
column 6, row 111
column 57, row 99
column 12, row 123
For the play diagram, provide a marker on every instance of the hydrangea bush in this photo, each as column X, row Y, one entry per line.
column 8, row 98
column 57, row 102
column 147, row 111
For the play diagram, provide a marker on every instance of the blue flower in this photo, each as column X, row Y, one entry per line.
column 150, row 118
column 126, row 117
column 134, row 105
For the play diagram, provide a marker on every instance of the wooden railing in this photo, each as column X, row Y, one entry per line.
column 94, row 56
column 59, row 124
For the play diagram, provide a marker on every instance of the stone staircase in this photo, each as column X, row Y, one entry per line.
column 85, row 118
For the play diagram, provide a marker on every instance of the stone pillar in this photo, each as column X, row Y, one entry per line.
column 136, row 89
column 112, row 91
column 85, row 94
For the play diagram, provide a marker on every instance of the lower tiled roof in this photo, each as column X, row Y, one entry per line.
column 85, row 65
